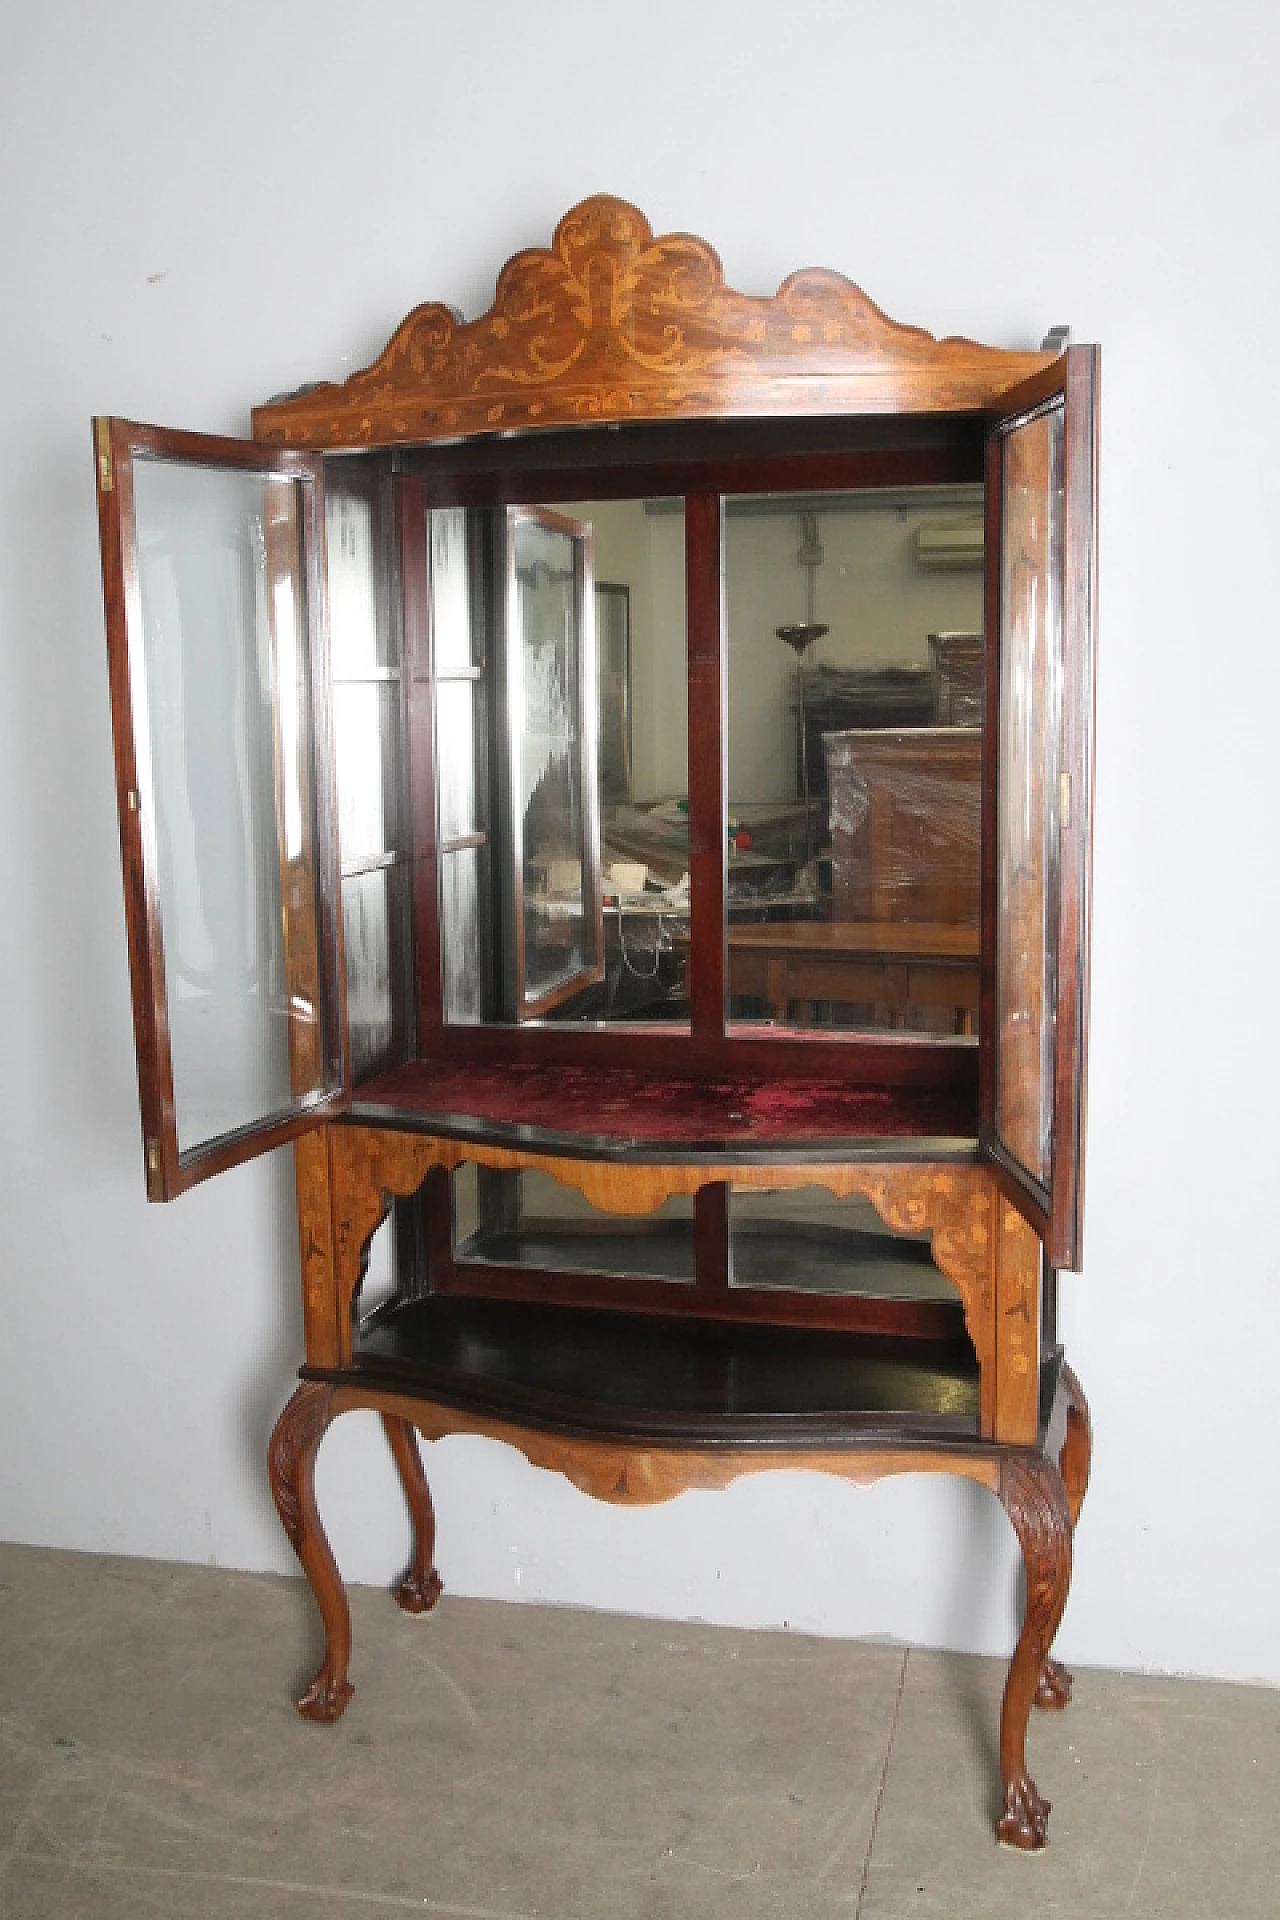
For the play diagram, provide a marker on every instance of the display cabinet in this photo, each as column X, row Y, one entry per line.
column 704, row 1125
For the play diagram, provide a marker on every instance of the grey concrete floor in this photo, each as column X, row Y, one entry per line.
column 500, row 1762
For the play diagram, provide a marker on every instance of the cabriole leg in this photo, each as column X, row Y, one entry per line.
column 1033, row 1496
column 1054, row 1691
column 421, row 1586
column 292, row 1469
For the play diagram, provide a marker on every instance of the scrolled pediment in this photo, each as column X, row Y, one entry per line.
column 611, row 323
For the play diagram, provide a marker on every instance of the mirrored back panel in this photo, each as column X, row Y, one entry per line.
column 528, row 1220
column 804, row 1239
column 854, row 759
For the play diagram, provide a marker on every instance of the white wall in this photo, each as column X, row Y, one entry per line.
column 645, row 552
column 203, row 207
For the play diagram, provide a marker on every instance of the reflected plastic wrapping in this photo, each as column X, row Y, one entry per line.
column 906, row 824
column 646, row 948
column 957, row 672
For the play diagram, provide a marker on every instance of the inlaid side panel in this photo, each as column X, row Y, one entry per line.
column 316, row 1248
column 1017, row 1328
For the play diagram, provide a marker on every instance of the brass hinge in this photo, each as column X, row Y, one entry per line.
column 1065, row 821
column 106, row 477
column 155, row 1190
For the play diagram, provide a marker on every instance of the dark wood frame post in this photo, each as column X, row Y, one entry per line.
column 708, row 806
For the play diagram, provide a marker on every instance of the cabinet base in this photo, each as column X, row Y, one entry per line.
column 1041, row 1489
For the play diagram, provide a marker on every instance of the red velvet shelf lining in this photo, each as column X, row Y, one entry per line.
column 637, row 1107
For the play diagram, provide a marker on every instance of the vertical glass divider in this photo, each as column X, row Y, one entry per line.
column 415, row 589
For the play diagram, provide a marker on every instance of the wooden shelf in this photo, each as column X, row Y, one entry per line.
column 631, row 1377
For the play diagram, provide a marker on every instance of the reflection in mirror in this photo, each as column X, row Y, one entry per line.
column 613, row 681
column 805, row 1239
column 562, row 762
column 552, row 762
column 854, row 758
column 530, row 1220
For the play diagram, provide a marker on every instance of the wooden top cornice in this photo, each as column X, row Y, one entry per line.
column 611, row 324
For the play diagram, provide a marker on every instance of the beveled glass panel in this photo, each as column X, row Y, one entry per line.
column 361, row 632
column 1028, row 796
column 366, row 725
column 459, row 812
column 226, row 755
column 550, row 686
column 453, row 642
column 461, row 961
column 854, row 789
column 373, row 933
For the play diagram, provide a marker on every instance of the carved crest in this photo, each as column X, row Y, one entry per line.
column 612, row 323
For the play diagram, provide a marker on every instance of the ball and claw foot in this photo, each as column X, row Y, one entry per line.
column 1025, row 1821
column 1054, row 1690
column 417, row 1592
column 325, row 1699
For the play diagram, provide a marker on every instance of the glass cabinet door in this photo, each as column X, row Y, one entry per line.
column 212, row 569
column 1040, row 615
column 554, row 905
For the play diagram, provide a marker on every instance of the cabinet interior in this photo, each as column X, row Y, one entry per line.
column 588, row 831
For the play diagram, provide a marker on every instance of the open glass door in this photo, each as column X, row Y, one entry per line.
column 554, row 907
column 213, row 576
column 1040, row 601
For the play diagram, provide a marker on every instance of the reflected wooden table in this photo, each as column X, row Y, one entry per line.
column 894, row 964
